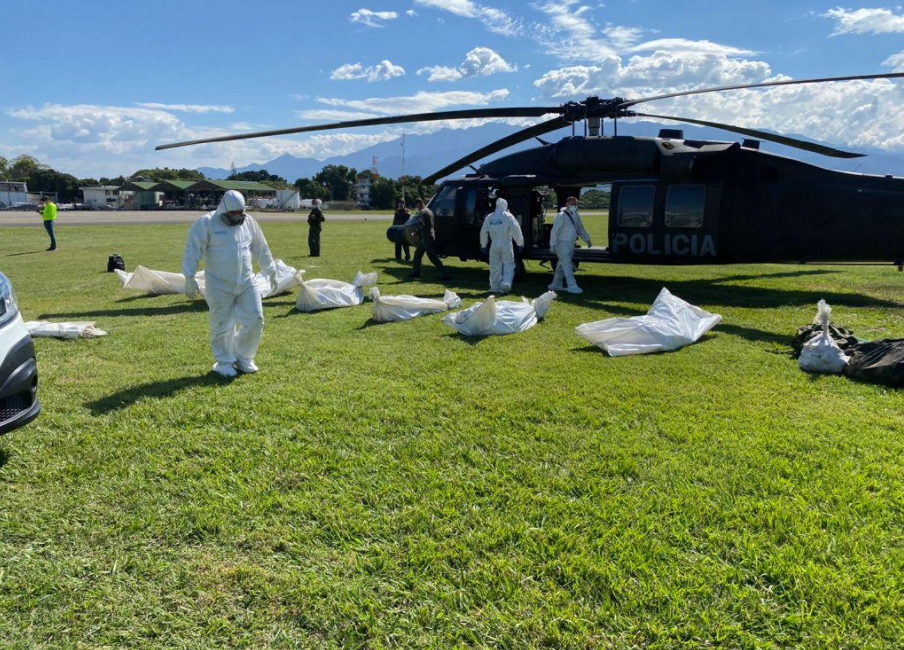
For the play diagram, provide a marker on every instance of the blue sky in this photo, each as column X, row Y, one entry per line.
column 91, row 88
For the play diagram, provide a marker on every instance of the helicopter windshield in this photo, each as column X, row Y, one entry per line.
column 443, row 204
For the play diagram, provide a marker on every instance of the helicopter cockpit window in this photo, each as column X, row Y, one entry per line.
column 684, row 206
column 635, row 206
column 443, row 204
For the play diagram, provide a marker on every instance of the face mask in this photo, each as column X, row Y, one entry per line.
column 233, row 219
column 572, row 209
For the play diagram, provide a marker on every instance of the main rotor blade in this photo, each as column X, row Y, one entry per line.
column 765, row 84
column 524, row 111
column 499, row 145
column 763, row 135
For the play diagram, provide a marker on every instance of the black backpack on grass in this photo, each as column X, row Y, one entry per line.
column 115, row 262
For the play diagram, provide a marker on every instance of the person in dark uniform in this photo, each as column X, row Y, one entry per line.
column 400, row 218
column 314, row 220
column 428, row 242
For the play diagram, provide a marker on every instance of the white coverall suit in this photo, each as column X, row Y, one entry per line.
column 230, row 291
column 566, row 228
column 501, row 227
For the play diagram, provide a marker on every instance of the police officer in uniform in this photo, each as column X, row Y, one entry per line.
column 400, row 218
column 428, row 242
column 314, row 220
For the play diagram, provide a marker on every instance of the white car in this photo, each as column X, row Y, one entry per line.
column 19, row 403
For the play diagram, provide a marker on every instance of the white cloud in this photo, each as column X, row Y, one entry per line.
column 371, row 18
column 854, row 114
column 382, row 71
column 866, row 21
column 622, row 37
column 895, row 61
column 411, row 13
column 333, row 115
column 685, row 45
column 571, row 35
column 479, row 62
column 653, row 74
column 420, row 102
column 493, row 20
column 188, row 108
column 98, row 140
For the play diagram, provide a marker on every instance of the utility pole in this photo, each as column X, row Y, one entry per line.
column 402, row 177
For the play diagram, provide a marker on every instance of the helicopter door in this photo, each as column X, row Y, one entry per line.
column 690, row 222
column 631, row 216
column 443, row 208
column 658, row 221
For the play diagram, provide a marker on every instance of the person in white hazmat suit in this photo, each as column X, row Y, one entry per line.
column 566, row 228
column 501, row 227
column 226, row 239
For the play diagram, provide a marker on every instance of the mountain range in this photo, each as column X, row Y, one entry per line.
column 425, row 154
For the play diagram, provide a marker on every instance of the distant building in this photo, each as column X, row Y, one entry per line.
column 12, row 192
column 104, row 195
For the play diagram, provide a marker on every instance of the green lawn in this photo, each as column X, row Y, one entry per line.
column 400, row 486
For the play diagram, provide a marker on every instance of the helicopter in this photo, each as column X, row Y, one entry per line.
column 673, row 200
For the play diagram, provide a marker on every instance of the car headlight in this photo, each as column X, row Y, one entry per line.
column 8, row 307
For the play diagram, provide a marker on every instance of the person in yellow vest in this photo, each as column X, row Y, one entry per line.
column 48, row 211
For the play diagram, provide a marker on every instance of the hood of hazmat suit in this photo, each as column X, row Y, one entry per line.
column 227, row 250
column 232, row 202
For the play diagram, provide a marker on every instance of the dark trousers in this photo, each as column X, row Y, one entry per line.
column 398, row 251
column 48, row 226
column 427, row 246
column 314, row 242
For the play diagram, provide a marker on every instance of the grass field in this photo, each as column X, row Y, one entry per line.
column 399, row 486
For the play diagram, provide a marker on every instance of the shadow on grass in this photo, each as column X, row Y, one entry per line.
column 470, row 340
column 370, row 322
column 4, row 457
column 165, row 310
column 719, row 291
column 26, row 253
column 164, row 388
column 597, row 350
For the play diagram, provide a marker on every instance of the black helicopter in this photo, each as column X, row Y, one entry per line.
column 672, row 200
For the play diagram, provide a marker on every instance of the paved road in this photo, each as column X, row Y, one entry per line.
column 92, row 218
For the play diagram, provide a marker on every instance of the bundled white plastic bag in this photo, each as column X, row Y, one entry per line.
column 670, row 324
column 395, row 308
column 286, row 279
column 315, row 295
column 157, row 283
column 821, row 353
column 79, row 330
column 492, row 317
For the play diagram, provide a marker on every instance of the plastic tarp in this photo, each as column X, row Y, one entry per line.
column 315, row 295
column 497, row 318
column 877, row 361
column 158, row 283
column 670, row 324
column 161, row 283
column 821, row 353
column 388, row 309
column 79, row 330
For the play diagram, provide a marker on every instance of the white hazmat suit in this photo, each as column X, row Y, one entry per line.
column 230, row 292
column 501, row 227
column 566, row 228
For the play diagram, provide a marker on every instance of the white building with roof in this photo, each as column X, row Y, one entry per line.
column 12, row 192
column 103, row 195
